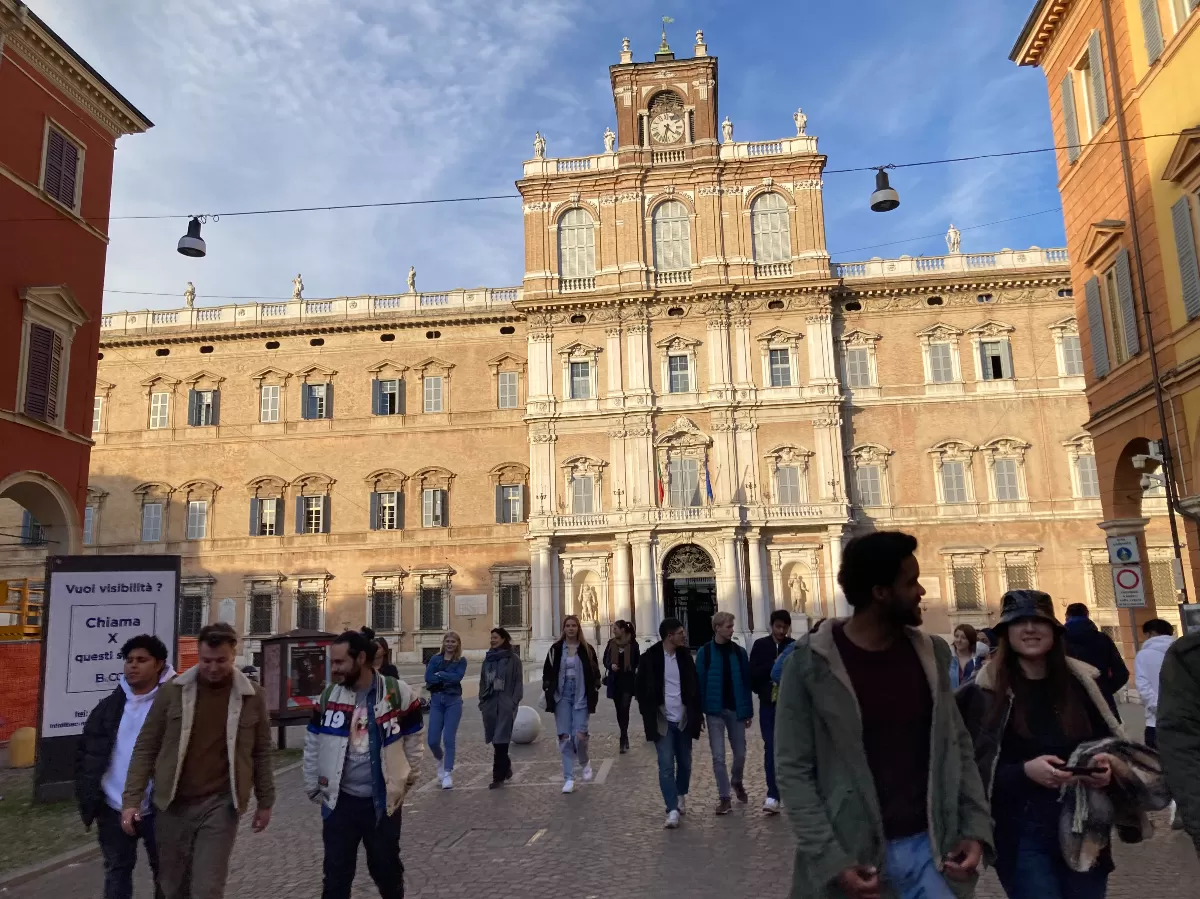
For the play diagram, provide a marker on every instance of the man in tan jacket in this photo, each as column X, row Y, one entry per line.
column 206, row 739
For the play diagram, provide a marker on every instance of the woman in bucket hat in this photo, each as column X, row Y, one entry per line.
column 1027, row 711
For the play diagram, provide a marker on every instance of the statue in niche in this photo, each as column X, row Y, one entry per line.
column 954, row 240
column 589, row 606
column 727, row 130
column 297, row 288
column 801, row 121
column 539, row 145
column 798, row 593
column 610, row 140
column 189, row 295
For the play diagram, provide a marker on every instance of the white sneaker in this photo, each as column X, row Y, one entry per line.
column 441, row 770
column 672, row 820
column 569, row 785
column 447, row 781
column 683, row 805
column 771, row 806
column 587, row 773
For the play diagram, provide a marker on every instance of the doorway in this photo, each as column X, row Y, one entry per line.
column 690, row 591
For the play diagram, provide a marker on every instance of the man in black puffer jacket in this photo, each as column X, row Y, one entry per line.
column 1089, row 644
column 102, row 761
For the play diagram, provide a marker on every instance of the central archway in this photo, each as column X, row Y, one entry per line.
column 690, row 591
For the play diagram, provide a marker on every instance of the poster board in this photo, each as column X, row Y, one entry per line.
column 93, row 605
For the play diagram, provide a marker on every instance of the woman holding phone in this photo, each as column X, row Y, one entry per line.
column 1027, row 711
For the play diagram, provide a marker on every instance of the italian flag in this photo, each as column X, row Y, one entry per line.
column 661, row 490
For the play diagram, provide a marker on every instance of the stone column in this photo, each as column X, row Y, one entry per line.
column 729, row 592
column 822, row 368
column 741, row 338
column 841, row 608
column 542, row 610
column 615, row 387
column 760, row 587
column 645, row 592
column 555, row 582
column 720, row 364
column 622, row 586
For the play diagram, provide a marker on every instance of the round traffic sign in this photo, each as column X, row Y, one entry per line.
column 1128, row 578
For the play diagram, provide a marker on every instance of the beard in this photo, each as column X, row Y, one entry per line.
column 349, row 678
column 905, row 616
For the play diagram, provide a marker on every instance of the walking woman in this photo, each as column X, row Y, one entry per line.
column 964, row 661
column 621, row 657
column 571, row 682
column 1027, row 711
column 443, row 679
column 501, row 687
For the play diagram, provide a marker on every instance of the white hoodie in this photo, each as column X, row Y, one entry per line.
column 1147, row 666
column 132, row 719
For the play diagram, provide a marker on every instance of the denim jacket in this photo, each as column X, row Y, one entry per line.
column 445, row 677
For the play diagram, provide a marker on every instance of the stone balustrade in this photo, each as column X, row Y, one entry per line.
column 788, row 146
column 967, row 263
column 601, row 162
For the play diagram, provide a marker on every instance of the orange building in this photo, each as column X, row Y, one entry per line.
column 1124, row 79
column 59, row 123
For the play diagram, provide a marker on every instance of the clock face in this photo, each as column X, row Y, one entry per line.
column 666, row 127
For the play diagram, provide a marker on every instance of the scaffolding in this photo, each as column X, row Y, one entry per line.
column 21, row 604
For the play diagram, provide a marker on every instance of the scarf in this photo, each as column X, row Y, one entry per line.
column 491, row 667
column 618, row 650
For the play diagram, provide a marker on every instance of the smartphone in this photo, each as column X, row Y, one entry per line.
column 1080, row 770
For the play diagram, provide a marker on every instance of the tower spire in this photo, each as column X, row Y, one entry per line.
column 664, row 51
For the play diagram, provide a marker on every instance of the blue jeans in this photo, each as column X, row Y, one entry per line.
column 911, row 870
column 1036, row 869
column 572, row 726
column 766, row 724
column 718, row 725
column 445, row 711
column 674, row 765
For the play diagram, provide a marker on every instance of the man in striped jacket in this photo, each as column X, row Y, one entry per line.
column 361, row 756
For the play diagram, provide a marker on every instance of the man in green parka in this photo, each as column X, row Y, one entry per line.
column 1179, row 729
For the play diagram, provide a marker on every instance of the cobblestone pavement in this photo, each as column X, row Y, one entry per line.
column 603, row 842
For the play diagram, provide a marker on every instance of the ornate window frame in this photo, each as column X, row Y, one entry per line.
column 578, row 351
column 389, row 370
column 1059, row 331
column 683, row 440
column 860, row 339
column 993, row 331
column 970, row 558
column 1017, row 555
column 679, row 345
column 513, row 575
column 386, row 579
column 104, row 394
column 1081, row 445
column 310, row 582
column 54, row 308
column 260, row 585
column 433, row 477
column 954, row 451
column 512, row 474
column 789, row 454
column 315, row 484
column 941, row 333
column 273, row 488
column 583, row 466
column 200, row 588
column 200, row 490
column 771, row 267
column 161, row 383
column 664, row 276
column 95, row 502
column 1014, row 449
column 441, row 577
column 206, row 380
column 150, row 493
column 435, row 367
column 388, row 480
column 271, row 377
column 780, row 339
column 579, row 281
column 868, row 454
column 315, row 376
column 510, row 364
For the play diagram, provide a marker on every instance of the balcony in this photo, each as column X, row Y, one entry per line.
column 567, row 165
column 576, row 285
column 773, row 270
column 789, row 146
column 660, row 157
column 671, row 279
column 907, row 266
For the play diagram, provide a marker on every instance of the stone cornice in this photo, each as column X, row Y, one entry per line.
column 1041, row 26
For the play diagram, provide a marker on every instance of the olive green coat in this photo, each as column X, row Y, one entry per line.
column 1179, row 729
column 826, row 785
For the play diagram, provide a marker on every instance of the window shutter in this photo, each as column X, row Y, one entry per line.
column 26, row 527
column 41, row 373
column 325, row 514
column 400, row 510
column 1070, row 118
column 1185, row 248
column 216, row 407
column 401, row 397
column 254, row 516
column 193, row 408
column 439, row 508
column 374, row 507
column 376, row 397
column 985, row 370
column 329, row 399
column 1125, row 297
column 524, row 501
column 1006, row 360
column 1095, row 315
column 52, row 181
column 305, row 401
column 300, row 514
column 1152, row 27
column 520, row 505
column 56, row 349
column 70, row 165
column 1096, row 64
column 499, row 504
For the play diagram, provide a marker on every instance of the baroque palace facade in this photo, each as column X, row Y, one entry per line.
column 685, row 407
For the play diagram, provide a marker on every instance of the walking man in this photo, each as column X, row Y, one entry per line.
column 205, row 743
column 874, row 763
column 1147, row 667
column 1089, row 644
column 361, row 755
column 1178, row 730
column 102, row 762
column 763, row 655
column 668, row 696
column 724, row 674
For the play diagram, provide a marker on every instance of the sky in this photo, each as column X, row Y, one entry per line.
column 281, row 103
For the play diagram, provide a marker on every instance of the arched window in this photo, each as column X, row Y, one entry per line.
column 576, row 248
column 672, row 237
column 772, row 234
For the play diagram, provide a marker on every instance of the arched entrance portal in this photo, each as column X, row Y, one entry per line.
column 690, row 591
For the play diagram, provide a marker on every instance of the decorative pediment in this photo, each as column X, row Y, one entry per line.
column 199, row 488
column 433, row 478
column 160, row 381
column 386, row 479
column 315, row 373
column 57, row 301
column 780, row 336
column 939, row 331
column 1183, row 168
column 1081, row 444
column 313, row 483
column 991, row 328
column 103, row 388
column 677, row 343
column 683, row 433
column 266, row 486
column 207, row 376
column 387, row 365
column 1005, row 448
column 789, row 454
column 96, row 495
column 433, row 365
column 1068, row 325
column 271, row 373
column 510, row 473
column 154, row 490
column 577, row 349
column 583, row 466
column 859, row 337
column 870, row 454
column 1101, row 237
column 953, row 449
column 508, row 361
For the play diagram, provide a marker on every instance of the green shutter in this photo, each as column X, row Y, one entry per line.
column 1152, row 29
column 1125, row 300
column 1096, row 64
column 1095, row 316
column 1185, row 249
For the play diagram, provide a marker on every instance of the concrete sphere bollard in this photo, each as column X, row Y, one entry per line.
column 527, row 725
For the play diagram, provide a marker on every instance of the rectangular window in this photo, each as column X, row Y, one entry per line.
column 1008, row 488
column 433, row 508
column 510, row 504
column 1019, row 575
column 787, row 483
column 270, row 403
column 1072, row 355
column 781, row 368
column 389, row 397
column 967, row 595
column 191, row 614
column 1089, row 74
column 954, row 482
column 994, row 360
column 941, row 363
column 581, row 380
column 1089, row 480
column 32, row 533
column 1102, row 585
column 89, row 525
column 202, row 409
column 152, row 520
column 389, row 512
column 159, row 410
column 870, row 486
column 681, row 376
column 858, row 367
column 507, row 384
column 308, row 610
column 433, row 609
column 1116, row 321
column 685, row 483
column 97, row 414
column 317, row 401
column 314, row 514
column 197, row 519
column 262, row 613
column 268, row 517
column 60, row 180
column 383, row 610
column 433, row 393
column 582, row 495
column 512, row 609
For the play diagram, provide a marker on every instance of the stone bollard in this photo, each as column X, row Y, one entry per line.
column 527, row 725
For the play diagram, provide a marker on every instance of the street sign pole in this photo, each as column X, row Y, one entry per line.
column 1128, row 584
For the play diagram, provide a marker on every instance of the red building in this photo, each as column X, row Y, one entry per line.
column 59, row 124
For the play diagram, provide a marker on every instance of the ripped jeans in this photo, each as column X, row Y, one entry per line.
column 571, row 723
